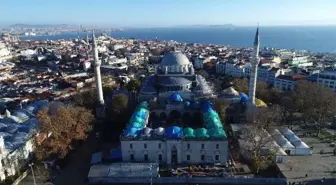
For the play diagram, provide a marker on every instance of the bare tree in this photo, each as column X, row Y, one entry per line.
column 42, row 175
column 257, row 139
column 316, row 103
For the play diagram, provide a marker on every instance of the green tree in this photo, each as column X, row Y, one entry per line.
column 133, row 85
column 119, row 104
column 240, row 85
column 263, row 91
column 220, row 107
column 87, row 99
column 65, row 124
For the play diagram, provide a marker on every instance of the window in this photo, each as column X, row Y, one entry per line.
column 217, row 157
column 188, row 146
column 188, row 157
column 217, row 146
column 160, row 157
column 202, row 157
column 159, row 145
column 145, row 145
column 2, row 162
column 202, row 146
column 146, row 157
column 132, row 157
column 131, row 146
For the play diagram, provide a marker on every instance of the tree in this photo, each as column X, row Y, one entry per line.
column 256, row 137
column 316, row 103
column 156, row 52
column 42, row 175
column 220, row 107
column 119, row 104
column 87, row 99
column 263, row 91
column 240, row 85
column 66, row 124
column 133, row 85
column 287, row 108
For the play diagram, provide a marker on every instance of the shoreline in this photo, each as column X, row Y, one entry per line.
column 315, row 41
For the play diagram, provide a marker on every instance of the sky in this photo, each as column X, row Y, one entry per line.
column 148, row 13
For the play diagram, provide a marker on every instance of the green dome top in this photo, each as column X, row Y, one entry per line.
column 201, row 133
column 188, row 132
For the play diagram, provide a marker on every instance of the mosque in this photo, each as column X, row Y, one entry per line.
column 175, row 123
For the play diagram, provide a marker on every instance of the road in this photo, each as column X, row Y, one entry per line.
column 77, row 170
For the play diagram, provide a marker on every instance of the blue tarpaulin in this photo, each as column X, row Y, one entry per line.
column 96, row 157
column 173, row 132
column 115, row 154
column 176, row 97
column 134, row 132
column 135, row 125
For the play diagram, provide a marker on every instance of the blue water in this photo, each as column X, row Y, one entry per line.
column 315, row 39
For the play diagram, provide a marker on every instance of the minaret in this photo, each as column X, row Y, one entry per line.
column 101, row 105
column 253, row 75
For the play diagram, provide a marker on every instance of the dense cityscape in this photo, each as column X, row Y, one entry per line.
column 102, row 110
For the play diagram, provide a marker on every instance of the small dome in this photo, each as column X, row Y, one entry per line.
column 243, row 97
column 188, row 132
column 201, row 133
column 159, row 131
column 173, row 132
column 175, row 58
column 176, row 97
column 187, row 103
column 146, row 132
column 230, row 91
column 259, row 103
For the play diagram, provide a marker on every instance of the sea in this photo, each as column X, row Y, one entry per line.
column 311, row 38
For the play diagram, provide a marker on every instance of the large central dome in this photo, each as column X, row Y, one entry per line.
column 175, row 59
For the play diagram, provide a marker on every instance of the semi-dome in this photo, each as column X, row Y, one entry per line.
column 175, row 58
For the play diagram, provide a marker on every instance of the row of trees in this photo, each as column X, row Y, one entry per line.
column 310, row 104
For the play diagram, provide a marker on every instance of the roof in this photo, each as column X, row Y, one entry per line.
column 293, row 77
column 175, row 58
column 124, row 170
column 173, row 81
column 18, row 127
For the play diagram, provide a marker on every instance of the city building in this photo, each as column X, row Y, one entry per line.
column 198, row 64
column 147, row 141
column 287, row 82
column 300, row 61
column 4, row 52
column 17, row 130
column 328, row 79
